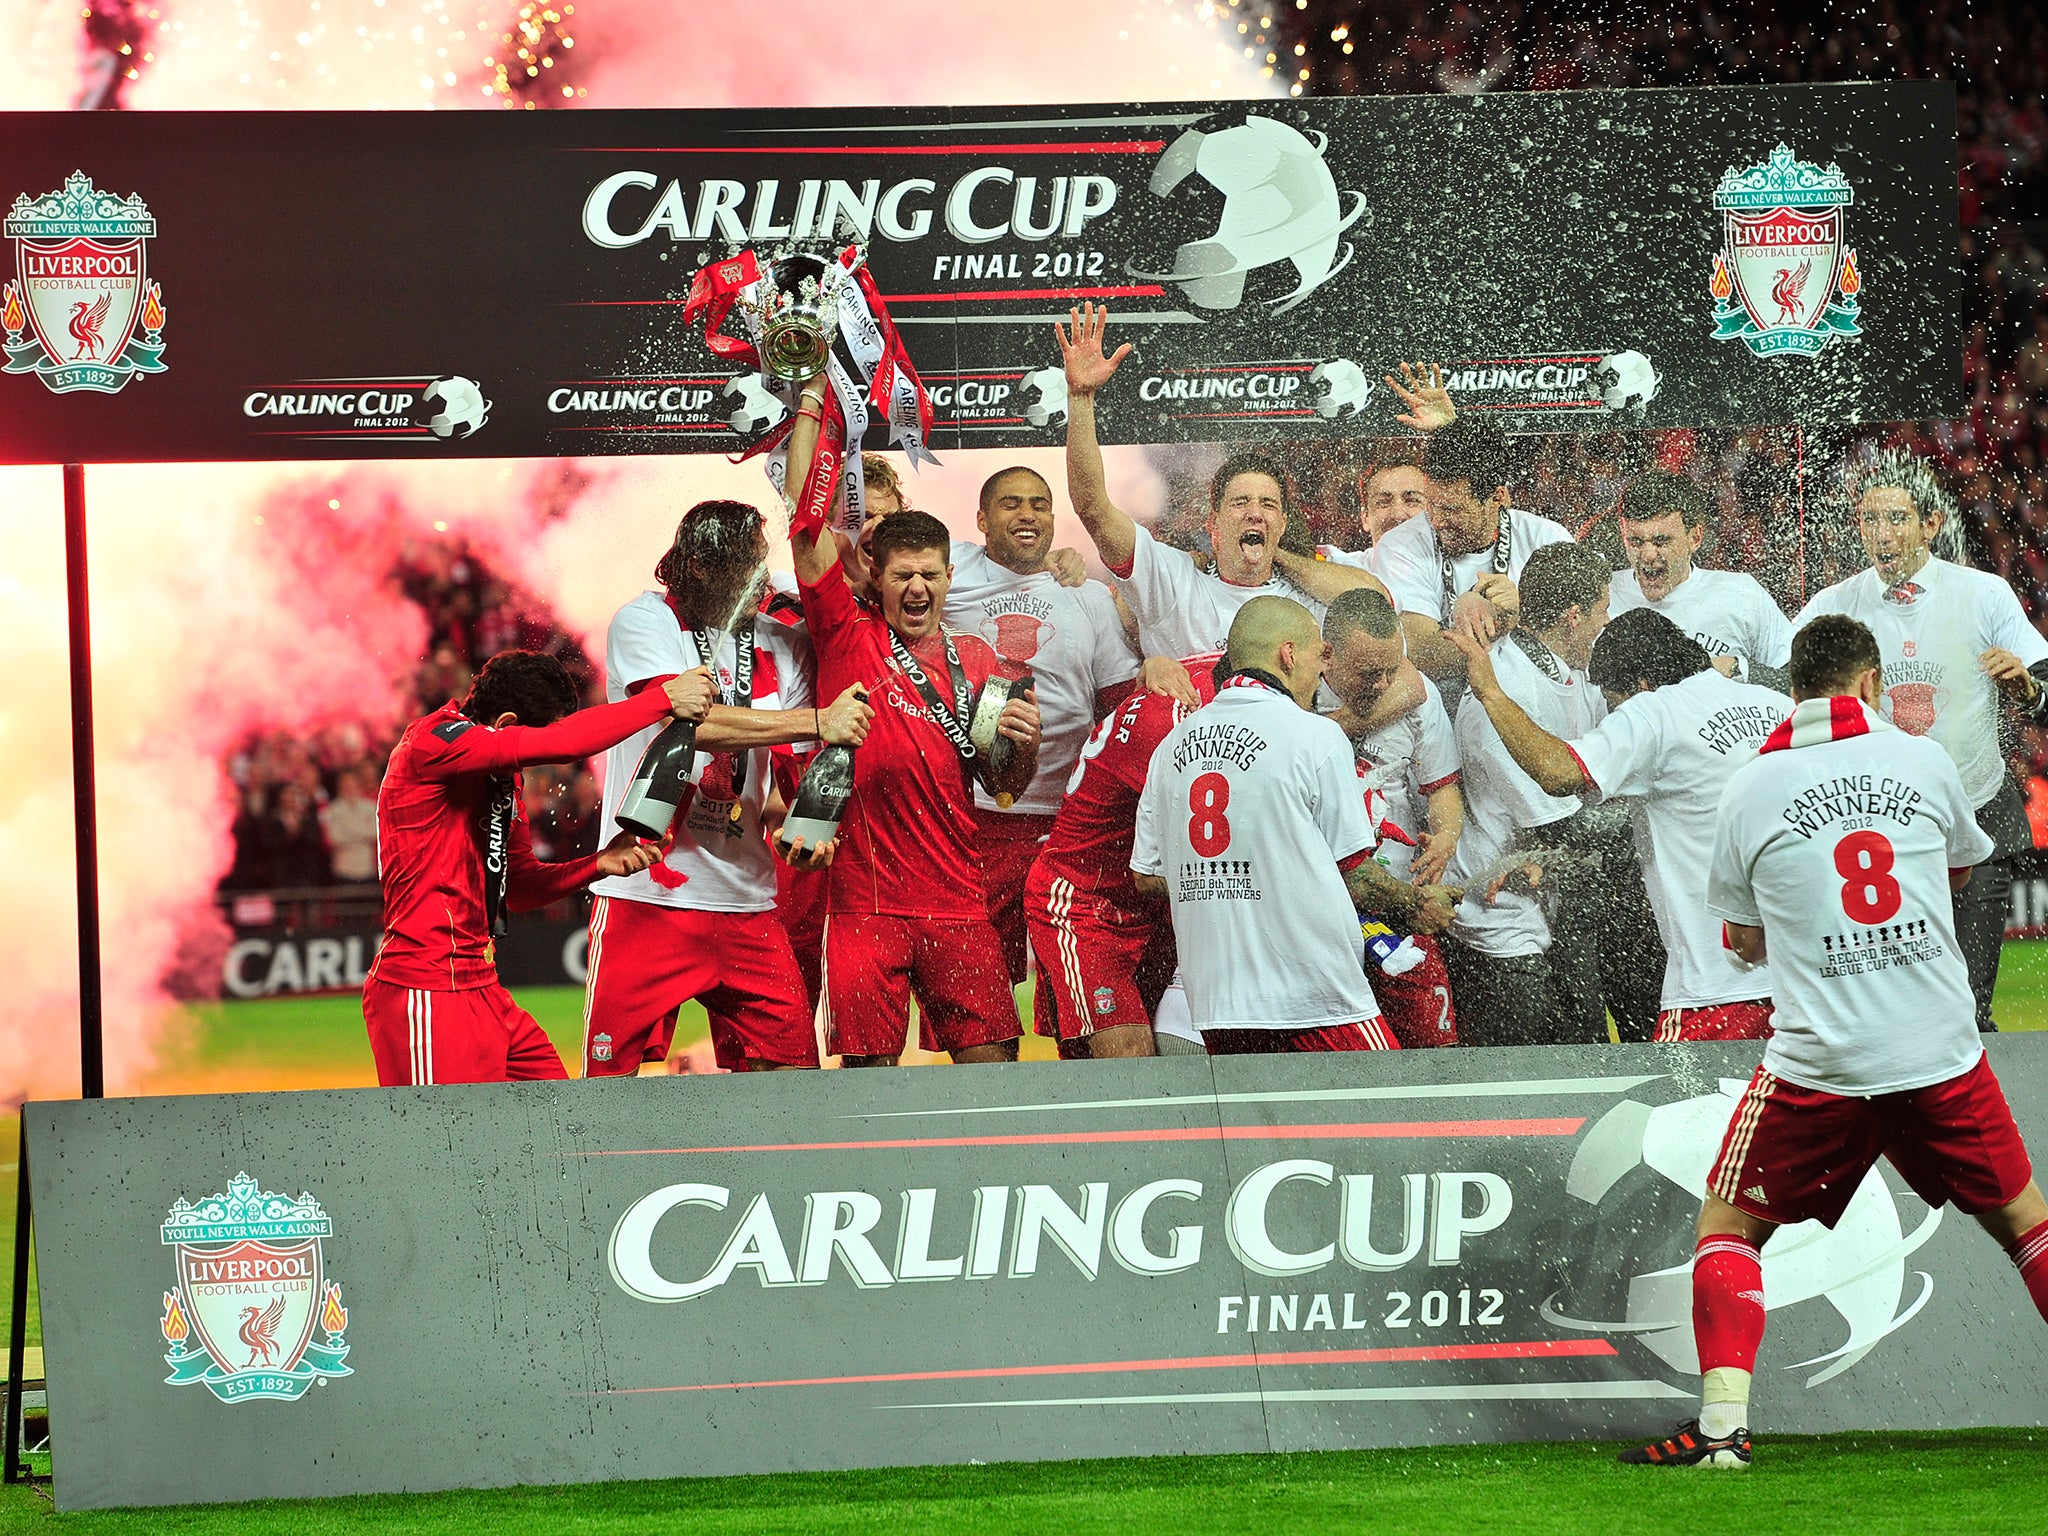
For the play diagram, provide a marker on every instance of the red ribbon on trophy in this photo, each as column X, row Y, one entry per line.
column 795, row 307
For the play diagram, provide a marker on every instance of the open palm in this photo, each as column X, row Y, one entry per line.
column 1081, row 349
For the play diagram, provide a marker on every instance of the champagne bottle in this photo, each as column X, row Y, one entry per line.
column 821, row 798
column 660, row 783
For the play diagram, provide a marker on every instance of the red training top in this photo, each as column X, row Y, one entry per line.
column 433, row 814
column 906, row 843
column 1090, row 843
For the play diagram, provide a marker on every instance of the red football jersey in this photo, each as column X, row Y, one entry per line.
column 433, row 814
column 1090, row 842
column 906, row 842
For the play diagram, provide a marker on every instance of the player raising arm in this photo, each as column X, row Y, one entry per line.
column 906, row 908
column 1181, row 609
column 1675, row 728
column 454, row 854
column 1876, row 1051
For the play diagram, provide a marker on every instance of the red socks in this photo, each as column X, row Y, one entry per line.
column 1728, row 1299
column 2030, row 1253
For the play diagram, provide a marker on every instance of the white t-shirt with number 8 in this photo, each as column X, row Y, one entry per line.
column 1249, row 806
column 1840, row 851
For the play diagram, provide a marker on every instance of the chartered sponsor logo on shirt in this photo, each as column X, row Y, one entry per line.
column 81, row 312
column 419, row 407
column 1785, row 280
column 252, row 1314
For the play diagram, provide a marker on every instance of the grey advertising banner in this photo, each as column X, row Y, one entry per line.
column 280, row 1295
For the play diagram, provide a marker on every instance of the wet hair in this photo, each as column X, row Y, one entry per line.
column 715, row 534
column 1251, row 464
column 1362, row 609
column 1658, row 493
column 1828, row 654
column 1896, row 469
column 1559, row 576
column 907, row 531
column 535, row 688
column 1643, row 646
column 1392, row 458
column 988, row 486
column 1471, row 449
column 878, row 471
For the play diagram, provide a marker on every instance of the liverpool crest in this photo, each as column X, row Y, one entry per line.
column 1785, row 282
column 251, row 1294
column 92, row 317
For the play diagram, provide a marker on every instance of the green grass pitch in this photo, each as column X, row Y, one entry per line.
column 1912, row 1484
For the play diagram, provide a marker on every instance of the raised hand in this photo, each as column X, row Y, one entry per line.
column 689, row 695
column 1432, row 858
column 1422, row 391
column 1081, row 349
column 1435, row 910
column 1067, row 567
column 628, row 859
column 798, row 857
column 1479, row 674
column 1163, row 674
column 1020, row 719
column 2010, row 674
column 845, row 721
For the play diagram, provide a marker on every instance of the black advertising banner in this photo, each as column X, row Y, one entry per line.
column 294, row 1294
column 407, row 285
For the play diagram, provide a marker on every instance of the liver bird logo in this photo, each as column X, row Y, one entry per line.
column 86, row 320
column 259, row 1329
column 1788, row 289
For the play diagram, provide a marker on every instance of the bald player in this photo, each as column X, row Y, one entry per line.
column 1252, row 827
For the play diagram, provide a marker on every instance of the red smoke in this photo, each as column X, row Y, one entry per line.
column 228, row 598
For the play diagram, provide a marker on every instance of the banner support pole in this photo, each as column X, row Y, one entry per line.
column 15, row 1470
column 84, row 797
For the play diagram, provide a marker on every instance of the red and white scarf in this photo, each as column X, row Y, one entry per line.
column 1814, row 721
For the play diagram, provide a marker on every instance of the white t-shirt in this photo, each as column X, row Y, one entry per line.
column 1501, row 800
column 1411, row 562
column 1400, row 765
column 1671, row 750
column 1367, row 560
column 1872, row 993
column 1728, row 612
column 1184, row 610
column 1069, row 639
column 1249, row 805
column 1932, row 683
column 725, row 871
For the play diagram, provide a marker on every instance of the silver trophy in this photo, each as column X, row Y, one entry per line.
column 796, row 314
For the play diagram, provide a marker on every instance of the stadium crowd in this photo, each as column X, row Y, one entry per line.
column 306, row 806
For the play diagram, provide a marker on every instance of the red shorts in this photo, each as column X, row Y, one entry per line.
column 1006, row 844
column 874, row 961
column 647, row 960
column 477, row 1035
column 1795, row 1154
column 1099, row 963
column 1722, row 1021
column 1417, row 1004
column 800, row 903
column 1371, row 1035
